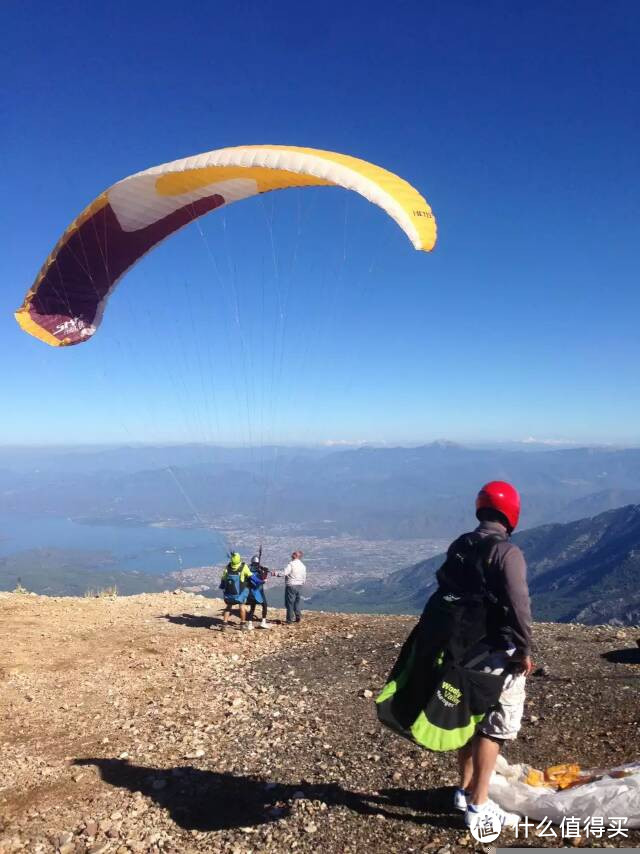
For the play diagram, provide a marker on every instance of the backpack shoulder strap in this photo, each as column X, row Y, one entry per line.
column 484, row 549
column 453, row 575
column 464, row 571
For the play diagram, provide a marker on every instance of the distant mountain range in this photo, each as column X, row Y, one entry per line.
column 584, row 556
column 390, row 493
column 586, row 571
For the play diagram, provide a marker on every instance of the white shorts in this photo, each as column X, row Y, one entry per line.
column 505, row 720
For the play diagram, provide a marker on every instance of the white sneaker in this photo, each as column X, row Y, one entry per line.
column 460, row 800
column 480, row 815
column 264, row 625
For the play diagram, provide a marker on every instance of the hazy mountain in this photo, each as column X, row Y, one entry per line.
column 598, row 502
column 367, row 492
column 585, row 571
column 88, row 459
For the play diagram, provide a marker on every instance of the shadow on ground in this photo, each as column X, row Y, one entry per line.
column 192, row 621
column 209, row 801
column 622, row 656
column 198, row 621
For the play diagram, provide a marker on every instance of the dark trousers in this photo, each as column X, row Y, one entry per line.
column 292, row 599
column 252, row 606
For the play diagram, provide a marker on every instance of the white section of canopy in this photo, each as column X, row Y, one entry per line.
column 137, row 204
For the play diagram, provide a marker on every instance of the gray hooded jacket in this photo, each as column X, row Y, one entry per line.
column 507, row 579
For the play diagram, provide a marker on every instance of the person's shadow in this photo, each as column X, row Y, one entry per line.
column 622, row 656
column 197, row 621
column 192, row 621
column 209, row 800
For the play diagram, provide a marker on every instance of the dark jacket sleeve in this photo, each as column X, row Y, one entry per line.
column 516, row 596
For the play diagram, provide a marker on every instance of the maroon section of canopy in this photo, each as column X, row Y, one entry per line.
column 91, row 261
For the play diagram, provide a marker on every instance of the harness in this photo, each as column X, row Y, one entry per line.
column 462, row 611
column 233, row 586
column 433, row 696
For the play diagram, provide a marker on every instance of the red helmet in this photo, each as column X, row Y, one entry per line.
column 500, row 496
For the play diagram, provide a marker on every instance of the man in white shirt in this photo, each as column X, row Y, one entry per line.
column 295, row 577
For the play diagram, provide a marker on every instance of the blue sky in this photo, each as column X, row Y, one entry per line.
column 519, row 122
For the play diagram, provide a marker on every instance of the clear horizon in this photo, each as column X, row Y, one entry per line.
column 546, row 444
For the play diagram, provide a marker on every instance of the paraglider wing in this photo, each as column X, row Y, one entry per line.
column 65, row 304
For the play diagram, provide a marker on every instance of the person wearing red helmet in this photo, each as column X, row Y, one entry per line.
column 503, row 499
column 458, row 683
column 498, row 511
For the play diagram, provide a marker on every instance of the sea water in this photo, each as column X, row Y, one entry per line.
column 146, row 548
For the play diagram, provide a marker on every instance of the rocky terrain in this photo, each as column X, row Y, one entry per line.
column 133, row 725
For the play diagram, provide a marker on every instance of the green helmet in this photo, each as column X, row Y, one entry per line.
column 235, row 561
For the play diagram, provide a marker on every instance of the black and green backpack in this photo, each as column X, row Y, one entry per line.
column 433, row 696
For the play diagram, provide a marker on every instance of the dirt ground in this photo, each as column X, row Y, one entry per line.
column 134, row 725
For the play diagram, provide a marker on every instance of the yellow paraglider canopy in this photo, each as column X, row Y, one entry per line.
column 66, row 302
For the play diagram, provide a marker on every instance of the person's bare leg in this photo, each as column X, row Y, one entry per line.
column 485, row 754
column 226, row 614
column 243, row 613
column 465, row 765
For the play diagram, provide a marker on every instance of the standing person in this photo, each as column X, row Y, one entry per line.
column 257, row 594
column 459, row 683
column 235, row 588
column 295, row 577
